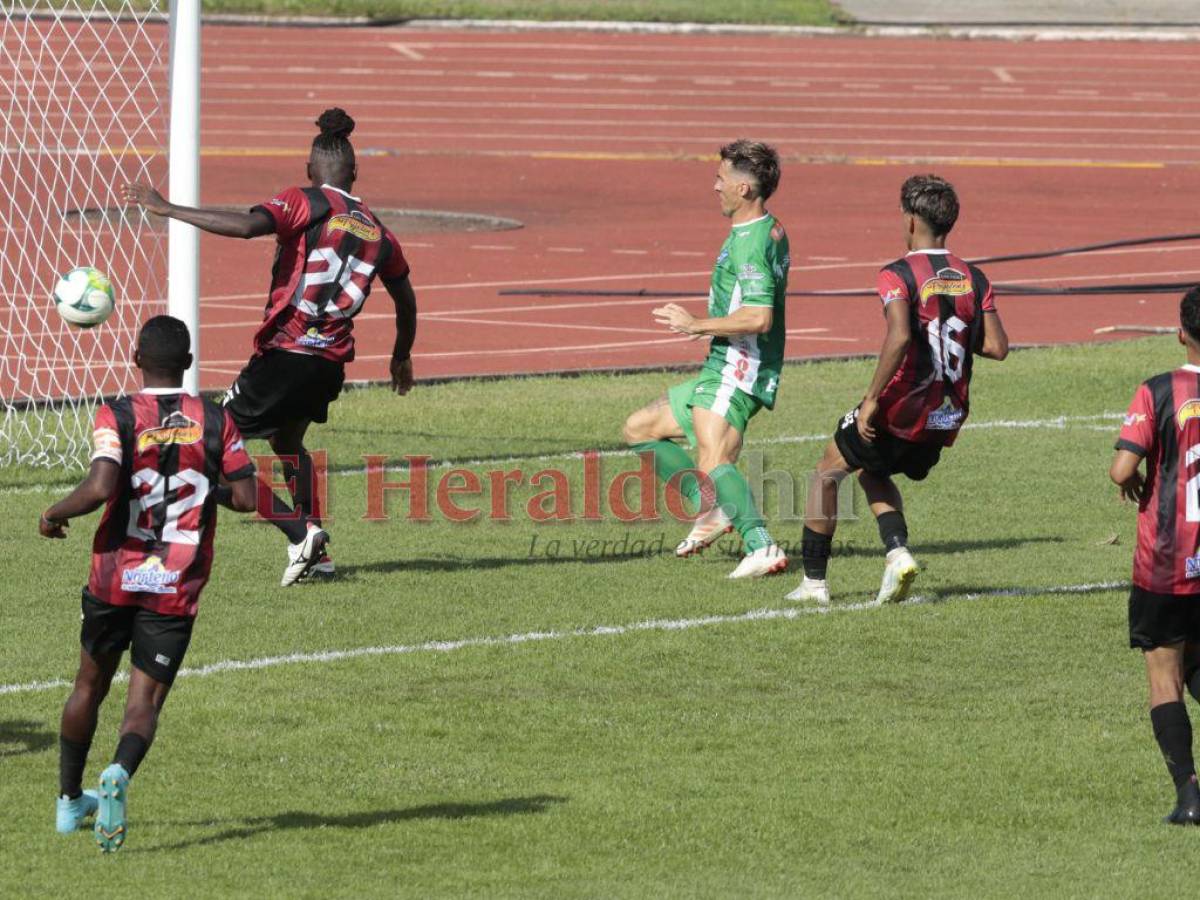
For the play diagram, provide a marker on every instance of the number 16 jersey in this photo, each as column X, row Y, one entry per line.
column 154, row 545
column 927, row 399
column 330, row 248
column 1163, row 426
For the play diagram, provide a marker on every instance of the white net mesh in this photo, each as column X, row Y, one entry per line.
column 83, row 109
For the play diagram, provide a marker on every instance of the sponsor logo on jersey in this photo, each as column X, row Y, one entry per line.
column 948, row 282
column 175, row 429
column 151, row 577
column 946, row 417
column 724, row 255
column 891, row 294
column 314, row 338
column 1189, row 410
column 1191, row 567
column 357, row 224
column 751, row 272
column 777, row 232
column 1132, row 419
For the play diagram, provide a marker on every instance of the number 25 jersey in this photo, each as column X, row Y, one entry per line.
column 1163, row 426
column 154, row 545
column 330, row 248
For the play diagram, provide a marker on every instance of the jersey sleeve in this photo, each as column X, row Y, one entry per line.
column 106, row 436
column 289, row 210
column 1139, row 429
column 235, row 461
column 755, row 277
column 396, row 266
column 890, row 287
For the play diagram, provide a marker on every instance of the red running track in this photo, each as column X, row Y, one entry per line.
column 604, row 145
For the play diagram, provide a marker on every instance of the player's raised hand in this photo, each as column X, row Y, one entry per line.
column 52, row 528
column 865, row 421
column 146, row 197
column 402, row 375
column 676, row 318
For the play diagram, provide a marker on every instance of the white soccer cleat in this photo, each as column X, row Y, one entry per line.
column 763, row 561
column 810, row 589
column 898, row 576
column 302, row 557
column 705, row 530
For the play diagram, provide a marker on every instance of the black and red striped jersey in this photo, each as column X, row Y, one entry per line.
column 153, row 547
column 1163, row 426
column 330, row 248
column 927, row 399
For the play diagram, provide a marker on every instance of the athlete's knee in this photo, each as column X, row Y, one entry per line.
column 634, row 431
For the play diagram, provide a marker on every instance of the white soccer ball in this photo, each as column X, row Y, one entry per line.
column 84, row 297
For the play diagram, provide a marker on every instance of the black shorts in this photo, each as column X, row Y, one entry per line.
column 281, row 388
column 159, row 641
column 1158, row 620
column 887, row 454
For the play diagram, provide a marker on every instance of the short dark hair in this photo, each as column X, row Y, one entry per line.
column 756, row 159
column 1189, row 314
column 932, row 199
column 164, row 344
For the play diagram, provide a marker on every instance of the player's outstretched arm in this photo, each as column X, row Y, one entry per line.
column 1125, row 475
column 405, row 299
column 995, row 338
column 225, row 222
column 92, row 493
column 238, row 495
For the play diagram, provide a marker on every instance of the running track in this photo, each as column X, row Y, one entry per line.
column 603, row 146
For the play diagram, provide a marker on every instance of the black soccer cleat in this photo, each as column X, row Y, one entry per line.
column 1187, row 810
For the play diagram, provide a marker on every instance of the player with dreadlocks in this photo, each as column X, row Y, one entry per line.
column 330, row 248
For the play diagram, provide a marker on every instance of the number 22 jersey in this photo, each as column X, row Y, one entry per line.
column 1163, row 426
column 154, row 545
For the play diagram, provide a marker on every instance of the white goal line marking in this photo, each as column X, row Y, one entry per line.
column 652, row 625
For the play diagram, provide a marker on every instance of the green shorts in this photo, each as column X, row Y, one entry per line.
column 709, row 391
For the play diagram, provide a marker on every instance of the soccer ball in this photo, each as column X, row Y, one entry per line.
column 84, row 297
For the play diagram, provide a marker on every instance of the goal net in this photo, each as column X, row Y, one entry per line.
column 83, row 110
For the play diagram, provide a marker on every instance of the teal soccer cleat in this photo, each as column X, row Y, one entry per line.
column 111, row 829
column 69, row 814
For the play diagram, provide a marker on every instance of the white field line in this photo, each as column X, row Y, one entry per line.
column 652, row 625
column 1058, row 423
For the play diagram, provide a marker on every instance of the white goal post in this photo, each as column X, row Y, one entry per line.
column 93, row 94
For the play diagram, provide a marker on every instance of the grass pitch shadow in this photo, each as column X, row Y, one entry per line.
column 21, row 736
column 939, row 548
column 251, row 827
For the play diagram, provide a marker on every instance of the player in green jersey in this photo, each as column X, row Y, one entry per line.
column 746, row 323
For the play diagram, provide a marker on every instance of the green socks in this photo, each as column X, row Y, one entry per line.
column 735, row 497
column 732, row 491
column 669, row 460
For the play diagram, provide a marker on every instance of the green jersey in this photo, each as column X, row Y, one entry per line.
column 751, row 270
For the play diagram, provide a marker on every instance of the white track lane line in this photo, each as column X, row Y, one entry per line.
column 528, row 637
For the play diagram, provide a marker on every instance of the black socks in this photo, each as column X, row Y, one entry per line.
column 130, row 751
column 893, row 530
column 1173, row 731
column 72, row 757
column 816, row 548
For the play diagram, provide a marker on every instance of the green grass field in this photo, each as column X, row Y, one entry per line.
column 984, row 747
column 762, row 12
